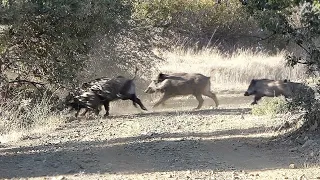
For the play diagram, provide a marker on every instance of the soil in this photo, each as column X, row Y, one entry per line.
column 169, row 142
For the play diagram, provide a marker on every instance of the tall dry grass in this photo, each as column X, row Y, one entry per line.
column 23, row 116
column 229, row 72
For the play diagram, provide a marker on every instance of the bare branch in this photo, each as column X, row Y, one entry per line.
column 304, row 48
column 265, row 38
column 28, row 82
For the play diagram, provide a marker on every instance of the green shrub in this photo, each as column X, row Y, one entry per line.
column 270, row 106
column 196, row 21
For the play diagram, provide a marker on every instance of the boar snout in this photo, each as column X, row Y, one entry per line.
column 246, row 93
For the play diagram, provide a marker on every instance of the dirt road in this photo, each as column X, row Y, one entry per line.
column 169, row 143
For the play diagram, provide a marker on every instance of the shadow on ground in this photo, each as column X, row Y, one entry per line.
column 146, row 153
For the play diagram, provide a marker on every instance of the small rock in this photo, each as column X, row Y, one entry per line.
column 292, row 166
column 59, row 178
column 293, row 149
column 59, row 128
column 171, row 176
column 303, row 177
column 311, row 153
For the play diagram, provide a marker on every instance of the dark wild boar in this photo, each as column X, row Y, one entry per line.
column 89, row 101
column 274, row 88
column 114, row 89
column 181, row 84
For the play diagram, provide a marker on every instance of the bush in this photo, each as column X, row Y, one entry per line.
column 203, row 23
column 306, row 101
column 298, row 23
column 49, row 41
column 271, row 106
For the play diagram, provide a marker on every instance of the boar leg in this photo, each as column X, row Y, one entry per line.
column 162, row 100
column 85, row 112
column 256, row 99
column 134, row 103
column 135, row 100
column 200, row 100
column 212, row 96
column 77, row 113
column 128, row 97
column 106, row 105
column 96, row 111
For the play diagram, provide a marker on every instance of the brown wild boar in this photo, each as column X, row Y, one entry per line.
column 177, row 84
column 274, row 88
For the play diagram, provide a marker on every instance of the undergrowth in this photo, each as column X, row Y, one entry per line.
column 270, row 106
column 20, row 114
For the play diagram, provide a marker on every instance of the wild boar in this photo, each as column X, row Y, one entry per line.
column 116, row 88
column 274, row 88
column 101, row 80
column 78, row 100
column 182, row 84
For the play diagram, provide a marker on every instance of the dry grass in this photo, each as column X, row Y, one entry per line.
column 229, row 71
column 21, row 118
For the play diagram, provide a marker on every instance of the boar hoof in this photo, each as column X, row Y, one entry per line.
column 253, row 103
column 106, row 115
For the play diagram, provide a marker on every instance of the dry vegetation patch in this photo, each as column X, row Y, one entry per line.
column 230, row 71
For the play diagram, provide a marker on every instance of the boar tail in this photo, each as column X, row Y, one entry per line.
column 135, row 73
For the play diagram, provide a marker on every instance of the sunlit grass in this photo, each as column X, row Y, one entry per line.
column 21, row 117
column 229, row 71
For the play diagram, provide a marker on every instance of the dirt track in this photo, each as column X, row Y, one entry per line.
column 169, row 143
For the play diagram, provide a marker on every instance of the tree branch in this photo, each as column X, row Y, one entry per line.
column 28, row 82
column 265, row 38
column 304, row 48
